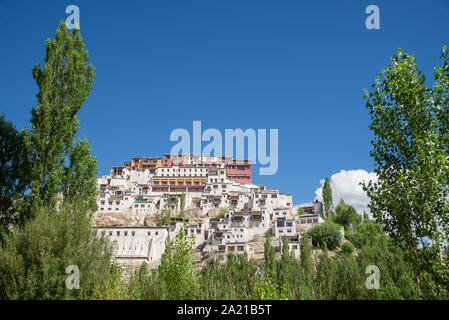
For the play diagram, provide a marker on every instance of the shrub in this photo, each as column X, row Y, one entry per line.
column 347, row 248
column 346, row 215
column 34, row 258
column 365, row 234
column 326, row 233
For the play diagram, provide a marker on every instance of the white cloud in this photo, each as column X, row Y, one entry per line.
column 346, row 185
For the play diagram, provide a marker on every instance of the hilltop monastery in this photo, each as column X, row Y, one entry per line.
column 214, row 195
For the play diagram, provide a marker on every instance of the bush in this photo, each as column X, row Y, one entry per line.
column 366, row 234
column 34, row 258
column 346, row 215
column 347, row 248
column 326, row 233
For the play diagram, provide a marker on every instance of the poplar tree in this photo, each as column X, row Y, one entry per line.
column 64, row 82
column 410, row 122
column 269, row 255
column 327, row 197
column 34, row 256
column 307, row 267
column 177, row 269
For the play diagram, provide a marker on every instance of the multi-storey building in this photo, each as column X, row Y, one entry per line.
column 147, row 186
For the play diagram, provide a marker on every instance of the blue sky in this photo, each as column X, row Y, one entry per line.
column 295, row 66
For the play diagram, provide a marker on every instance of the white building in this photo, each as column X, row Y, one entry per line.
column 235, row 248
column 136, row 244
column 294, row 244
column 283, row 228
column 309, row 219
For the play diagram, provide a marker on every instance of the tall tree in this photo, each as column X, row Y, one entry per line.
column 34, row 256
column 182, row 204
column 64, row 82
column 307, row 267
column 411, row 158
column 327, row 197
column 177, row 267
column 346, row 215
column 269, row 255
column 14, row 173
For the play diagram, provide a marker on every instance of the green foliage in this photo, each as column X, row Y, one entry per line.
column 64, row 82
column 366, row 233
column 177, row 269
column 165, row 214
column 146, row 284
column 325, row 276
column 307, row 268
column 115, row 287
column 223, row 212
column 326, row 233
column 346, row 215
column 397, row 275
column 267, row 289
column 43, row 239
column 365, row 217
column 410, row 122
column 269, row 255
column 327, row 197
column 80, row 183
column 235, row 279
column 33, row 258
column 182, row 204
column 300, row 211
column 347, row 248
column 14, row 173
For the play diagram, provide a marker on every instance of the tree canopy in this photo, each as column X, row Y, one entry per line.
column 410, row 122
